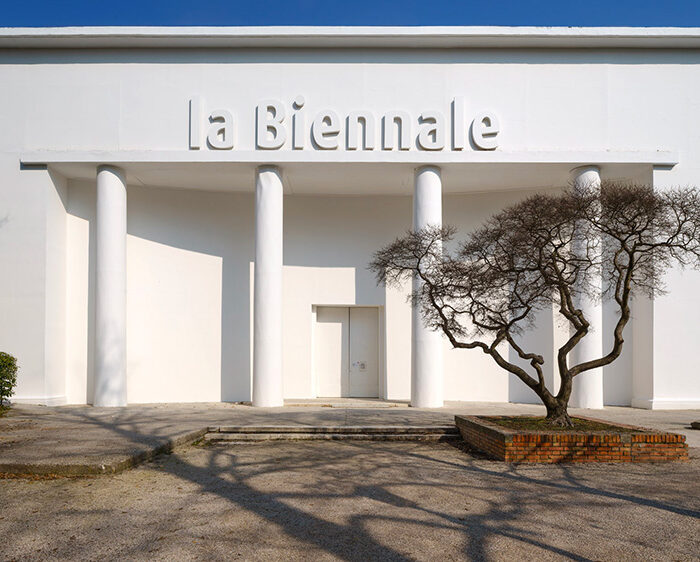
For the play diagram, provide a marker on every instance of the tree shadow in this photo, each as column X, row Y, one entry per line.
column 404, row 486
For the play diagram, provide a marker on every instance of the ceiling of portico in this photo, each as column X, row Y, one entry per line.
column 351, row 178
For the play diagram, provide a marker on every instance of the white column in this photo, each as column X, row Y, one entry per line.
column 588, row 386
column 426, row 344
column 267, row 315
column 110, row 288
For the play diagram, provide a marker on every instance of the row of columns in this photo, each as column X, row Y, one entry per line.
column 426, row 344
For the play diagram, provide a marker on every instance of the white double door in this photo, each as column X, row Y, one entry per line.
column 346, row 351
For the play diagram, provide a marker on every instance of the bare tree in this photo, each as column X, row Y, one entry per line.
column 547, row 250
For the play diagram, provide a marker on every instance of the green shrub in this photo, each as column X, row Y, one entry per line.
column 8, row 376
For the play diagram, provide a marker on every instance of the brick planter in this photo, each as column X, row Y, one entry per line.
column 640, row 445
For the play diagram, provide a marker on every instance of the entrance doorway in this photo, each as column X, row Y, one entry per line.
column 346, row 351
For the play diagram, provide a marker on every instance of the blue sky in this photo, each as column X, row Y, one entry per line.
column 352, row 12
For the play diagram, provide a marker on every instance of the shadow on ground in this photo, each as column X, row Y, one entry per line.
column 355, row 501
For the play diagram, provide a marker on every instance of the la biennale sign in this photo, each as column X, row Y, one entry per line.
column 279, row 125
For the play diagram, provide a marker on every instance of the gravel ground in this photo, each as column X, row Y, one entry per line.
column 354, row 501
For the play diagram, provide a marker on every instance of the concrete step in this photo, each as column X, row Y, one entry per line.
column 301, row 432
column 395, row 429
column 258, row 437
column 347, row 403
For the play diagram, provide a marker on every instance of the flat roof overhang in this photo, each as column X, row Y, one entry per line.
column 427, row 37
column 352, row 173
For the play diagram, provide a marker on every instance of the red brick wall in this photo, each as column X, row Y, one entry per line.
column 555, row 447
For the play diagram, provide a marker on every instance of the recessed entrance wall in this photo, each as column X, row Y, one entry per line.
column 346, row 351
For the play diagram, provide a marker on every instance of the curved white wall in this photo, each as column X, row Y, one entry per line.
column 189, row 287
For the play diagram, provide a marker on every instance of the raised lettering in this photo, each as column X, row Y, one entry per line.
column 403, row 123
column 325, row 130
column 485, row 129
column 458, row 125
column 220, row 135
column 431, row 130
column 355, row 120
column 270, row 132
column 196, row 104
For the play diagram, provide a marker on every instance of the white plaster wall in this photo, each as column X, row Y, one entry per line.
column 22, row 239
column 188, row 256
column 190, row 251
column 546, row 100
column 22, row 293
column 397, row 344
column 303, row 288
column 674, row 315
column 32, row 286
column 188, row 294
column 328, row 243
column 80, row 284
column 55, row 290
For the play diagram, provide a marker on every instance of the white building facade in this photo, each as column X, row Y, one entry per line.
column 187, row 214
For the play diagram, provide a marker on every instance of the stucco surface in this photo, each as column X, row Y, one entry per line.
column 190, row 235
column 352, row 501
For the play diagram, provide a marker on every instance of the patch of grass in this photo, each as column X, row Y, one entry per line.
column 527, row 423
column 4, row 410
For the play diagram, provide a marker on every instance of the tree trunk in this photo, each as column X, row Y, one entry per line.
column 557, row 414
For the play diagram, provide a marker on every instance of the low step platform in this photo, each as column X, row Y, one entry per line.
column 230, row 434
column 346, row 403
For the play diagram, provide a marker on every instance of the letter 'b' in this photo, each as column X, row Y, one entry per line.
column 270, row 133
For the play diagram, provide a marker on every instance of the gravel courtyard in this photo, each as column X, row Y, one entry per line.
column 354, row 501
